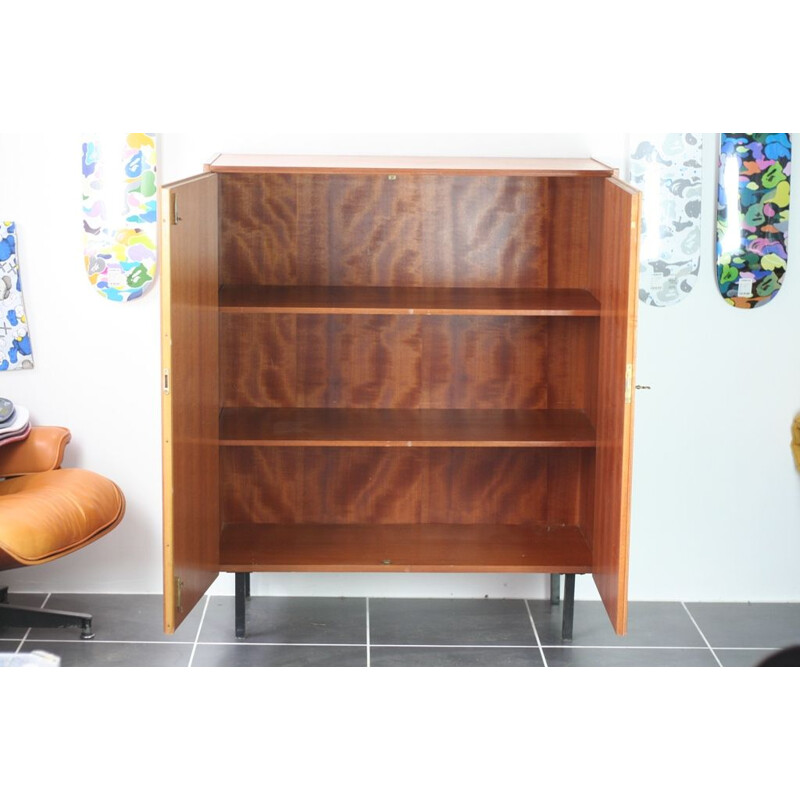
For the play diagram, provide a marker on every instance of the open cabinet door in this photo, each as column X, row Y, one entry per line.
column 190, row 393
column 617, row 292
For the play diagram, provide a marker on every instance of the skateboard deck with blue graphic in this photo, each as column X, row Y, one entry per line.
column 120, row 222
column 753, row 216
column 668, row 169
column 15, row 342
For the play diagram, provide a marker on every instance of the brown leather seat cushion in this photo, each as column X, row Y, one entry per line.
column 49, row 514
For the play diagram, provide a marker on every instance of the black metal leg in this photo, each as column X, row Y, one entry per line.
column 15, row 616
column 86, row 629
column 555, row 589
column 569, row 607
column 242, row 593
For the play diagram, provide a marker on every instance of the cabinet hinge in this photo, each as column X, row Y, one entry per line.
column 178, row 593
column 165, row 384
column 628, row 382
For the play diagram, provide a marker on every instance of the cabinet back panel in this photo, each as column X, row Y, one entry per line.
column 414, row 230
column 572, row 364
column 355, row 361
column 572, row 261
column 398, row 485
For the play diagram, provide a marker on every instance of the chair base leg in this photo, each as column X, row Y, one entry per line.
column 14, row 616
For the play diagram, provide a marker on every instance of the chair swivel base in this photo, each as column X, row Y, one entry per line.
column 14, row 616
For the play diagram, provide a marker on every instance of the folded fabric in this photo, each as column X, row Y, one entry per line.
column 19, row 427
column 19, row 422
column 15, row 436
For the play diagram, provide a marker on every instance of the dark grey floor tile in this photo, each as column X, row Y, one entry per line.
column 770, row 625
column 289, row 620
column 628, row 657
column 455, row 657
column 742, row 658
column 275, row 655
column 650, row 624
column 119, row 618
column 115, row 654
column 20, row 599
column 450, row 622
column 26, row 598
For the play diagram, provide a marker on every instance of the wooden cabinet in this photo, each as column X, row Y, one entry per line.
column 377, row 365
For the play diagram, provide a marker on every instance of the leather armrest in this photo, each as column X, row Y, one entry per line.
column 43, row 450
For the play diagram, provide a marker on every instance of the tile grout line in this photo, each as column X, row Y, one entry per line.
column 701, row 633
column 368, row 642
column 184, row 643
column 28, row 631
column 199, row 628
column 536, row 633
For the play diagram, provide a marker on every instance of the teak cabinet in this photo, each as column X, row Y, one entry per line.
column 397, row 364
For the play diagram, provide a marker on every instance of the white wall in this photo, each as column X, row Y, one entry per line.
column 716, row 497
column 96, row 366
column 716, row 500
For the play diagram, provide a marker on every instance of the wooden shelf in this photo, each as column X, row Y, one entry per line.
column 404, row 548
column 407, row 300
column 379, row 427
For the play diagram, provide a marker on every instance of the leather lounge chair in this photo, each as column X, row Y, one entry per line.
column 47, row 512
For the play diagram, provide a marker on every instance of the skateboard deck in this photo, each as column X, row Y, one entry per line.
column 15, row 343
column 752, row 216
column 667, row 169
column 120, row 224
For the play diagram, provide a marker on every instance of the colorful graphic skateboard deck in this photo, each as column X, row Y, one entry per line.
column 752, row 216
column 120, row 224
column 668, row 169
column 15, row 343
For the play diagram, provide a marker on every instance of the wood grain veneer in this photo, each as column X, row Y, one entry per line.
column 377, row 485
column 366, row 230
column 616, row 287
column 363, row 361
column 353, row 427
column 407, row 300
column 190, row 407
column 404, row 548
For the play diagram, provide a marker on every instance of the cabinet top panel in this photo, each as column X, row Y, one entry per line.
column 544, row 167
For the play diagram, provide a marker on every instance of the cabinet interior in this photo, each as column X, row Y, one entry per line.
column 411, row 369
column 442, row 393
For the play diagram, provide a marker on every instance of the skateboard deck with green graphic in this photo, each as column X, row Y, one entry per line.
column 120, row 223
column 668, row 169
column 753, row 216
